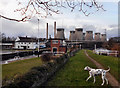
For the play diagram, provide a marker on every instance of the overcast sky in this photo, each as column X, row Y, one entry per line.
column 97, row 22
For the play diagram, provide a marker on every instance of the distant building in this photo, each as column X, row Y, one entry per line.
column 97, row 37
column 72, row 36
column 60, row 33
column 7, row 44
column 79, row 35
column 29, row 43
column 103, row 37
column 89, row 35
column 58, row 45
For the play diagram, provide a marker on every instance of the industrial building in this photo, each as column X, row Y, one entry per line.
column 58, row 45
column 78, row 35
column 60, row 33
column 87, row 39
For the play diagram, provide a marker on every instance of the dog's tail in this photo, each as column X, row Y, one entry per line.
column 108, row 69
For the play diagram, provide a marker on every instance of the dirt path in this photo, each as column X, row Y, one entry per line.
column 111, row 78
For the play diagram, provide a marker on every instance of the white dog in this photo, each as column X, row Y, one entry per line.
column 95, row 72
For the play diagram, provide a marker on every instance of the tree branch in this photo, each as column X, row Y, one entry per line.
column 44, row 8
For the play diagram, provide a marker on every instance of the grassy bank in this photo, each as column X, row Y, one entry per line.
column 73, row 73
column 106, row 61
column 19, row 67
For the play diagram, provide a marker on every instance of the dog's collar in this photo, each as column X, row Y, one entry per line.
column 88, row 69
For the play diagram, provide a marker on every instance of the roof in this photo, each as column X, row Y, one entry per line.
column 97, row 33
column 60, row 29
column 29, row 39
column 8, row 41
column 79, row 29
column 89, row 31
column 72, row 31
column 56, row 39
column 103, row 34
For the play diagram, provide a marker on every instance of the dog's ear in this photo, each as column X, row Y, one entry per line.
column 88, row 68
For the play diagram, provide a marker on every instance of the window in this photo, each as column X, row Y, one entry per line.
column 54, row 41
column 18, row 46
column 29, row 42
column 54, row 49
column 28, row 47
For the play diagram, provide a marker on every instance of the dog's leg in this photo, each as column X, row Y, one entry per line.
column 106, row 80
column 89, row 76
column 94, row 79
column 103, row 79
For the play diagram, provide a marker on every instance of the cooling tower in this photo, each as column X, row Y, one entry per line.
column 47, row 31
column 79, row 33
column 72, row 36
column 60, row 33
column 97, row 37
column 103, row 37
column 89, row 35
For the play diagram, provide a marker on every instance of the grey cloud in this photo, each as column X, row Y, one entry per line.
column 11, row 28
column 113, row 26
column 113, row 32
column 89, row 27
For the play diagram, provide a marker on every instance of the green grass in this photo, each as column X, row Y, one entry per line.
column 73, row 74
column 106, row 61
column 19, row 67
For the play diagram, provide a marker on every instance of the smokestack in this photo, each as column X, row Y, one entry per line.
column 47, row 31
column 55, row 29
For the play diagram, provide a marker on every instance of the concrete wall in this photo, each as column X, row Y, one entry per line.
column 103, row 37
column 60, row 33
column 83, row 36
column 79, row 33
column 72, row 36
column 97, row 37
column 89, row 35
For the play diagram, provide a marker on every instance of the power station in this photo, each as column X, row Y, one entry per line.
column 85, row 39
column 78, row 35
column 60, row 33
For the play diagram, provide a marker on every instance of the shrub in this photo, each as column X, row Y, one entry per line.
column 46, row 57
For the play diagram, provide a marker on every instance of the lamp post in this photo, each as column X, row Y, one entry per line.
column 80, row 46
column 95, row 46
column 38, row 37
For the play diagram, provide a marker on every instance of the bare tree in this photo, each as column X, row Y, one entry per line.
column 43, row 8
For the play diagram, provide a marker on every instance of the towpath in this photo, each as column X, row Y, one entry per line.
column 110, row 78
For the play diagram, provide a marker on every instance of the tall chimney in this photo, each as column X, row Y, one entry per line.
column 55, row 29
column 47, row 31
